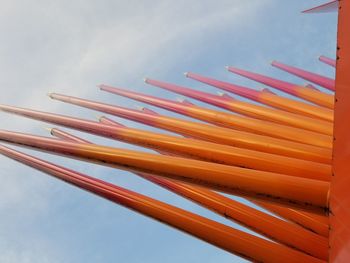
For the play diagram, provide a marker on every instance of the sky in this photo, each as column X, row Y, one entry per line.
column 70, row 47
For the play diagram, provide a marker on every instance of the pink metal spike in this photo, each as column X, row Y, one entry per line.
column 163, row 103
column 328, row 61
column 319, row 98
column 130, row 114
column 91, row 127
column 239, row 90
column 318, row 79
column 272, row 82
column 202, row 130
column 324, row 8
column 199, row 95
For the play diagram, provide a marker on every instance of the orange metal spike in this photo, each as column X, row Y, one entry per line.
column 319, row 98
column 238, row 122
column 248, row 109
column 188, row 147
column 233, row 121
column 210, row 133
column 316, row 223
column 272, row 227
column 323, row 81
column 269, row 98
column 278, row 230
column 224, row 237
column 290, row 191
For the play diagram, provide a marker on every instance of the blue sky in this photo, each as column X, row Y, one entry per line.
column 70, row 47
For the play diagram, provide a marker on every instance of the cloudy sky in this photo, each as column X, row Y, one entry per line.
column 70, row 47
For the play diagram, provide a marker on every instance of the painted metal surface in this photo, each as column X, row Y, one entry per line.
column 318, row 79
column 290, row 191
column 274, row 228
column 311, row 95
column 211, row 133
column 220, row 235
column 188, row 147
column 328, row 61
column 279, row 157
column 252, row 110
column 316, row 223
column 234, row 121
column 267, row 97
column 340, row 194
